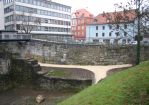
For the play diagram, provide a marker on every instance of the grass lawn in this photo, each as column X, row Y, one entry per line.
column 56, row 73
column 129, row 87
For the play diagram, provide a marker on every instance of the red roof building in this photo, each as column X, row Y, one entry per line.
column 80, row 19
column 115, row 17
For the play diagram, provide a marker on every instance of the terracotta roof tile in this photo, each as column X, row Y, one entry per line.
column 82, row 13
column 114, row 17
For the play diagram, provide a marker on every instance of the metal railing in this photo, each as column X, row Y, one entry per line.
column 15, row 37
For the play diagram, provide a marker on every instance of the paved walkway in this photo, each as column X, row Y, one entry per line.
column 99, row 71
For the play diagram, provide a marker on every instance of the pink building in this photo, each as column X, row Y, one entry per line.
column 80, row 19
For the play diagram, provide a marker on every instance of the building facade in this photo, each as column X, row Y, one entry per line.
column 55, row 18
column 13, row 36
column 1, row 15
column 80, row 19
column 103, row 30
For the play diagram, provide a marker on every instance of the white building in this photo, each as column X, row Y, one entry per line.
column 55, row 18
column 1, row 16
column 105, row 29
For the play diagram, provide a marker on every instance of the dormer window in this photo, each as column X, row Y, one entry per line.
column 95, row 20
column 108, row 20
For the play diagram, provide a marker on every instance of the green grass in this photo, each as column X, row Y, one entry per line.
column 129, row 87
column 56, row 73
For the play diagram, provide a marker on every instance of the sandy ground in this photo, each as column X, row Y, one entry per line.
column 99, row 71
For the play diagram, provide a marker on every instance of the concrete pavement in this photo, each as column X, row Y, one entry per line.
column 99, row 71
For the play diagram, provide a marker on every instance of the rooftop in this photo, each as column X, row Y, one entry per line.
column 82, row 13
column 115, row 17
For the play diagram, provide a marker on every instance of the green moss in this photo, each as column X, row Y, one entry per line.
column 129, row 87
column 57, row 73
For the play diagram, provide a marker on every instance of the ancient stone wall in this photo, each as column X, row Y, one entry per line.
column 59, row 84
column 84, row 54
column 24, row 73
column 77, row 54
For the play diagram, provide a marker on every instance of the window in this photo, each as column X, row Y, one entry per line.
column 8, row 9
column 38, row 28
column 46, row 20
column 9, row 18
column 36, row 11
column 103, row 27
column 107, row 41
column 96, row 34
column 110, row 34
column 82, row 27
column 125, row 33
column 125, row 26
column 79, row 27
column 128, row 40
column 95, row 20
column 82, row 21
column 17, row 8
column 96, row 27
column 21, row 9
column 103, row 34
column 110, row 26
column 95, row 40
column 38, row 3
column 6, row 36
column 117, row 27
column 124, row 41
column 117, row 33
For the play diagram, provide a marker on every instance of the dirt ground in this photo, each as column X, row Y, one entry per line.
column 27, row 97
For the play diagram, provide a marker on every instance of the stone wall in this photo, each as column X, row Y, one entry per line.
column 24, row 73
column 20, row 73
column 59, row 84
column 84, row 54
column 77, row 53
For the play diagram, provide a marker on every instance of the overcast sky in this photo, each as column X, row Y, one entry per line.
column 94, row 6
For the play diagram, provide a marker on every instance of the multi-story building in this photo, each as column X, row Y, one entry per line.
column 79, row 20
column 55, row 18
column 1, row 16
column 105, row 29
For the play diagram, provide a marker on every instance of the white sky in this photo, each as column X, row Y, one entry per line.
column 93, row 6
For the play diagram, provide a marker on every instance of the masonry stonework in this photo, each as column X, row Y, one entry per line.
column 84, row 54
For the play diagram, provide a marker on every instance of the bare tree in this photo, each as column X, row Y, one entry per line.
column 28, row 23
column 118, row 20
column 140, row 10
